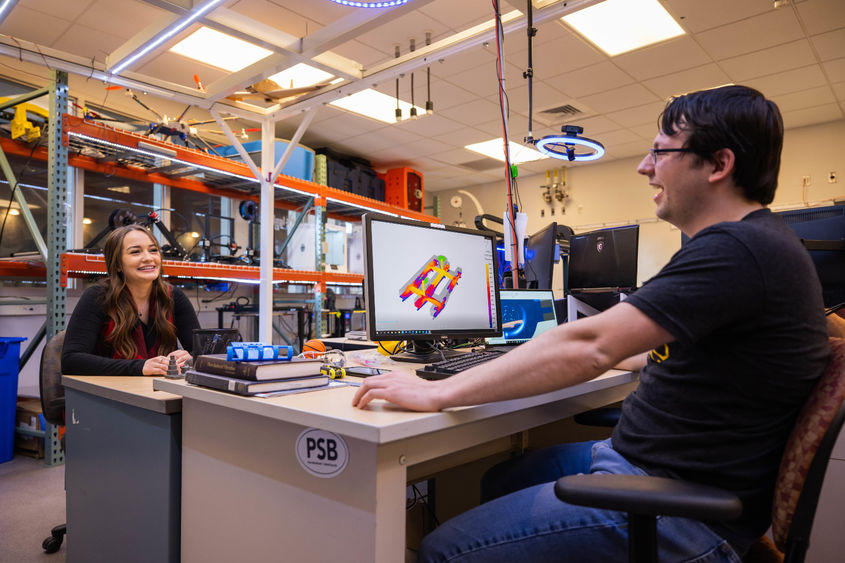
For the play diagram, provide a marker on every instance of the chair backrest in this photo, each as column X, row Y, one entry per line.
column 806, row 455
column 50, row 380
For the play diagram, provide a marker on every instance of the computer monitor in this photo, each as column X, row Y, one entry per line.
column 823, row 231
column 541, row 250
column 526, row 314
column 604, row 260
column 425, row 281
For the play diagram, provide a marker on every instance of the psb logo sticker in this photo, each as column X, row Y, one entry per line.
column 322, row 454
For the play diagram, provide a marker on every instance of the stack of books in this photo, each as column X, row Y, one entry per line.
column 250, row 378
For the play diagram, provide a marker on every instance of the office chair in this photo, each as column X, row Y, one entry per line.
column 53, row 406
column 797, row 489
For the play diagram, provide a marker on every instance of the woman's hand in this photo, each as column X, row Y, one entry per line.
column 158, row 365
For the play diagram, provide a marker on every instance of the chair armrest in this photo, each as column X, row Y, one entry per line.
column 639, row 494
column 604, row 416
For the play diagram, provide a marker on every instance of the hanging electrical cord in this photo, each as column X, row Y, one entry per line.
column 429, row 105
column 398, row 109
column 503, row 106
column 413, row 106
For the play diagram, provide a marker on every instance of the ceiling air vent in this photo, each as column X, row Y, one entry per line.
column 481, row 164
column 565, row 110
column 563, row 113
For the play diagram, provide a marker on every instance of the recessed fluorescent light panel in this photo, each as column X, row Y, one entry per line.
column 301, row 76
column 618, row 26
column 373, row 104
column 217, row 49
column 494, row 149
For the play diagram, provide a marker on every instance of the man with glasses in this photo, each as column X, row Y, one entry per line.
column 736, row 332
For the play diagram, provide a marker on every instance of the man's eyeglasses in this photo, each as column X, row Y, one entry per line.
column 654, row 152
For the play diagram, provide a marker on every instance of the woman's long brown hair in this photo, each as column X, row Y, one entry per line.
column 120, row 307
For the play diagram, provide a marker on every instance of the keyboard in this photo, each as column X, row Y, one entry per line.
column 457, row 364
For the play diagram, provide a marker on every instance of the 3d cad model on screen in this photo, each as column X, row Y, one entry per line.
column 433, row 274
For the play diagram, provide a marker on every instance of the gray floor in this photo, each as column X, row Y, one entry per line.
column 32, row 501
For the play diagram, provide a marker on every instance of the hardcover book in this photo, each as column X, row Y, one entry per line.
column 244, row 387
column 257, row 371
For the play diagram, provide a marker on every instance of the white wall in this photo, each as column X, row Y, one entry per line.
column 612, row 193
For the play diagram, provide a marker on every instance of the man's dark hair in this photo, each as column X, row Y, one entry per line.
column 737, row 118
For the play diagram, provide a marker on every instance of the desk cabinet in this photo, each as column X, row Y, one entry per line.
column 122, row 475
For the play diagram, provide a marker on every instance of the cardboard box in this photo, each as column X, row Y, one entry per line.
column 29, row 415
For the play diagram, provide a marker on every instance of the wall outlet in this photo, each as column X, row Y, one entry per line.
column 806, row 181
column 832, row 178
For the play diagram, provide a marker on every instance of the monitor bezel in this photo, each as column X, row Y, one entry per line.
column 369, row 287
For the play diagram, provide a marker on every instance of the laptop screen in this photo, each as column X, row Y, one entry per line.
column 525, row 313
column 604, row 259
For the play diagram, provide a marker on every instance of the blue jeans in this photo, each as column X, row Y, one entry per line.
column 530, row 524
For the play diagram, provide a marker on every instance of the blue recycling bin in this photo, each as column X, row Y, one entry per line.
column 10, row 353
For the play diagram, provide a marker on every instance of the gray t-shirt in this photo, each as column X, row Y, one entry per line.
column 716, row 405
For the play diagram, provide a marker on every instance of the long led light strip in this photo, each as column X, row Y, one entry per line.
column 376, row 4
column 164, row 36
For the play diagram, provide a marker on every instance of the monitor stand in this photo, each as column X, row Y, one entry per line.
column 424, row 352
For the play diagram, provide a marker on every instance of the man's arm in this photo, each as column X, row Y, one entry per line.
column 569, row 354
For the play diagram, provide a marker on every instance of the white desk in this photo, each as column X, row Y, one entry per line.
column 245, row 496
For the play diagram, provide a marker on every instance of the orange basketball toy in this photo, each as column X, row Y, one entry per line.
column 313, row 348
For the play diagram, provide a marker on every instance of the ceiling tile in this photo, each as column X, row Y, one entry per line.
column 365, row 55
column 544, row 95
column 620, row 136
column 839, row 91
column 481, row 81
column 835, row 70
column 810, row 116
column 819, row 16
column 626, row 97
column 431, row 125
column 471, row 113
column 87, row 42
column 563, row 55
column 646, row 132
column 790, row 81
column 627, row 150
column 279, row 17
column 596, row 78
column 781, row 26
column 664, row 58
column 445, row 94
column 699, row 78
column 640, row 115
column 697, row 16
column 463, row 137
column 465, row 60
column 769, row 61
column 830, row 45
column 424, row 147
column 805, row 99
column 458, row 15
column 400, row 31
column 120, row 18
column 67, row 9
column 593, row 126
column 37, row 27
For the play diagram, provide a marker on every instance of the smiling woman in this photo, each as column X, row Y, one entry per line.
column 129, row 323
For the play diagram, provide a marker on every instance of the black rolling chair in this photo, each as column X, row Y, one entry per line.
column 53, row 406
column 797, row 490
